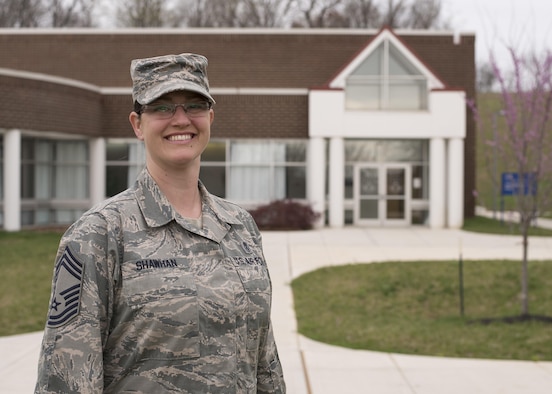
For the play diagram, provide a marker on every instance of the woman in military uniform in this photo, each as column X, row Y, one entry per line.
column 163, row 288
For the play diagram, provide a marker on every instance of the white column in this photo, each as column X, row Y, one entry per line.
column 337, row 182
column 437, row 183
column 316, row 177
column 455, row 192
column 12, row 180
column 97, row 170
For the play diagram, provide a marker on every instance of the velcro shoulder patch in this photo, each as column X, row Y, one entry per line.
column 66, row 294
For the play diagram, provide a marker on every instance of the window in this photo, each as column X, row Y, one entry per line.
column 213, row 168
column 243, row 171
column 386, row 80
column 124, row 160
column 54, row 180
column 255, row 171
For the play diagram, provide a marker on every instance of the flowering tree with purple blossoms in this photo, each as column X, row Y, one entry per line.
column 523, row 143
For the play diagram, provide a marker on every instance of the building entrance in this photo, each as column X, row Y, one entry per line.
column 382, row 194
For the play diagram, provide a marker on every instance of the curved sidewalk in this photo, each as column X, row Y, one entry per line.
column 315, row 368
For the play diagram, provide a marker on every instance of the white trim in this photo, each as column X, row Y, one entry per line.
column 225, row 91
column 336, row 216
column 123, row 91
column 259, row 91
column 457, row 38
column 49, row 135
column 316, row 177
column 445, row 118
column 340, row 80
column 437, row 183
column 97, row 147
column 455, row 183
column 12, row 180
column 48, row 78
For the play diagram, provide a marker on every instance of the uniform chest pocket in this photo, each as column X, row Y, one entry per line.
column 165, row 313
column 254, row 278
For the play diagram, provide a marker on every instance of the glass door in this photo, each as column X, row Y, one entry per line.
column 382, row 194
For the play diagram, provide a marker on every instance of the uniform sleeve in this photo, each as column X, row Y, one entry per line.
column 71, row 357
column 270, row 377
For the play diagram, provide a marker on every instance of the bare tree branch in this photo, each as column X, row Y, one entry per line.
column 74, row 13
column 424, row 13
column 315, row 13
column 265, row 13
column 141, row 13
column 418, row 14
column 394, row 12
column 363, row 13
column 47, row 13
column 20, row 13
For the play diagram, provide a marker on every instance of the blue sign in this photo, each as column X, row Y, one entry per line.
column 511, row 185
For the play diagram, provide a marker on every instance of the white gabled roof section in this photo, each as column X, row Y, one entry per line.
column 340, row 80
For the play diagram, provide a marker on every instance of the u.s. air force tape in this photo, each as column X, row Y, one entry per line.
column 65, row 303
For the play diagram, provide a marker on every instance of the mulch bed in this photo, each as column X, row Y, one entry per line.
column 513, row 319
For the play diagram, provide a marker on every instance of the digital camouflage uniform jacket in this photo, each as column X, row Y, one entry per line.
column 143, row 302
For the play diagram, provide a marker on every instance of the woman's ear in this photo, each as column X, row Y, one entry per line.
column 135, row 122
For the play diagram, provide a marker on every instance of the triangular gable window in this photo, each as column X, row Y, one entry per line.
column 386, row 80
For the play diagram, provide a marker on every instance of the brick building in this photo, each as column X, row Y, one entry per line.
column 369, row 127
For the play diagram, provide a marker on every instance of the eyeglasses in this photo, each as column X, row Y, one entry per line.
column 167, row 110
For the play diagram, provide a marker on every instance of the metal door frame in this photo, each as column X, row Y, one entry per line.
column 382, row 196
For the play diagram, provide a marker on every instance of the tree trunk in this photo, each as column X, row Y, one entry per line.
column 524, row 272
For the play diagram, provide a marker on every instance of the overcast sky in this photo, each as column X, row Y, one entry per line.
column 523, row 24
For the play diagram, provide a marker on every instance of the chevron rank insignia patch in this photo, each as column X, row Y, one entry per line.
column 65, row 303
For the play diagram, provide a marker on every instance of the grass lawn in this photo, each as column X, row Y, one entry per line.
column 26, row 264
column 399, row 307
column 413, row 308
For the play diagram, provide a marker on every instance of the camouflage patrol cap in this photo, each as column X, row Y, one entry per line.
column 155, row 76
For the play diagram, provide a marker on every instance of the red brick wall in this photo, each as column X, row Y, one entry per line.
column 251, row 116
column 27, row 104
column 236, row 116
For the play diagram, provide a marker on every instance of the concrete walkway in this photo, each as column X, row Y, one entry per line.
column 315, row 368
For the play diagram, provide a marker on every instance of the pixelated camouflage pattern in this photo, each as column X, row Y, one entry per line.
column 156, row 76
column 165, row 307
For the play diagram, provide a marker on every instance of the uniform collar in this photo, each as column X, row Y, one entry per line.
column 157, row 210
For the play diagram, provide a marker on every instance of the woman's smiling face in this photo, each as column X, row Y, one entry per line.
column 174, row 140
